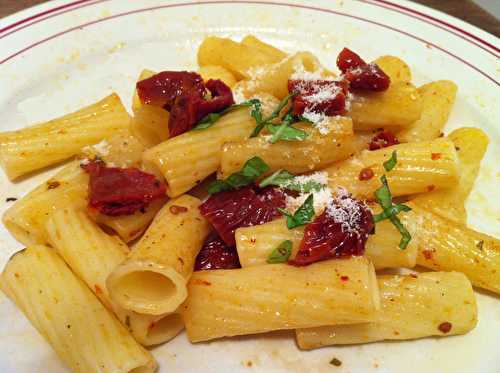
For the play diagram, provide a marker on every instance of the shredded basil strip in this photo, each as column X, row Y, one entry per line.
column 302, row 216
column 286, row 179
column 390, row 210
column 279, row 178
column 281, row 253
column 251, row 170
column 285, row 132
column 261, row 122
column 211, row 118
column 391, row 162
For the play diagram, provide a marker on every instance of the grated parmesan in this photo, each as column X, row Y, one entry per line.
column 101, row 148
column 321, row 198
column 345, row 210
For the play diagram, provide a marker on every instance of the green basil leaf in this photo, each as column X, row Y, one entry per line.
column 281, row 253
column 279, row 178
column 261, row 122
column 383, row 194
column 285, row 132
column 251, row 170
column 392, row 211
column 211, row 118
column 302, row 216
column 391, row 163
column 405, row 235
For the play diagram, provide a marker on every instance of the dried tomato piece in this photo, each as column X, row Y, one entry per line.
column 117, row 191
column 244, row 207
column 319, row 96
column 342, row 233
column 215, row 254
column 383, row 140
column 183, row 114
column 163, row 88
column 360, row 74
column 222, row 97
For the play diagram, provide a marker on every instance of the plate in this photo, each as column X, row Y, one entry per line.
column 62, row 55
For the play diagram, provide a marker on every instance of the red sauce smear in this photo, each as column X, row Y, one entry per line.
column 325, row 238
column 383, row 140
column 228, row 211
column 215, row 254
column 183, row 94
column 362, row 75
column 306, row 89
column 117, row 191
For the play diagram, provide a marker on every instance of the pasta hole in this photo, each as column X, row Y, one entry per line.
column 147, row 286
column 166, row 327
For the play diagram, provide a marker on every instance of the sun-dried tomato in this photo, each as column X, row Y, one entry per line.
column 117, row 191
column 244, row 207
column 215, row 254
column 383, row 140
column 319, row 96
column 362, row 75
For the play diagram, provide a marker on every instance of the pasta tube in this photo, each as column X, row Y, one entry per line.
column 421, row 167
column 153, row 278
column 395, row 68
column 256, row 243
column 217, row 72
column 187, row 159
column 316, row 151
column 45, row 144
column 150, row 123
column 252, row 41
column 92, row 255
column 259, row 299
column 437, row 100
column 446, row 246
column 430, row 304
column 61, row 307
column 399, row 106
column 236, row 57
column 471, row 144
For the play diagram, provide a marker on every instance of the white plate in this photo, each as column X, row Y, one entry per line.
column 61, row 55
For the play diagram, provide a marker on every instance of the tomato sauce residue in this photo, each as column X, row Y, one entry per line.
column 183, row 94
column 117, row 191
column 228, row 211
column 326, row 237
column 435, row 156
column 365, row 174
column 176, row 210
column 362, row 75
column 383, row 140
column 427, row 254
column 215, row 254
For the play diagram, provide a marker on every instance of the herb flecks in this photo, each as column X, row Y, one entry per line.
column 302, row 216
column 287, row 180
column 251, row 170
column 391, row 162
column 335, row 362
column 281, row 254
column 211, row 118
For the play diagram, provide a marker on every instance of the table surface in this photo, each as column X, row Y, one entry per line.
column 463, row 9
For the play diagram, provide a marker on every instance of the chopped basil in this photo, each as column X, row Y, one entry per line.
column 390, row 210
column 281, row 253
column 391, row 163
column 302, row 216
column 480, row 244
column 251, row 170
column 261, row 122
column 285, row 132
column 285, row 179
column 211, row 118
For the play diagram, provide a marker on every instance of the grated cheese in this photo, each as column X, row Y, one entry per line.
column 321, row 198
column 101, row 148
column 345, row 210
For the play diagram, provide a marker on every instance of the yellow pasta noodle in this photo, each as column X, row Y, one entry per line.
column 259, row 299
column 395, row 68
column 217, row 72
column 471, row 144
column 252, row 41
column 446, row 246
column 315, row 152
column 153, row 278
column 437, row 101
column 61, row 307
column 92, row 255
column 45, row 144
column 432, row 304
column 187, row 159
column 150, row 123
column 421, row 167
column 255, row 244
column 398, row 106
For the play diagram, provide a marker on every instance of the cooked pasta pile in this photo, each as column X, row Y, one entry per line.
column 262, row 192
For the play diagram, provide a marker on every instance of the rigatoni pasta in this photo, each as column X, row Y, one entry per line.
column 152, row 280
column 316, row 295
column 45, row 144
column 418, row 306
column 82, row 332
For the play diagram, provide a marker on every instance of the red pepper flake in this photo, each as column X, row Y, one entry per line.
column 176, row 210
column 430, row 188
column 201, row 282
column 427, row 254
column 366, row 174
column 413, row 275
column 53, row 184
column 117, row 191
column 344, row 278
column 435, row 156
column 383, row 140
column 445, row 327
column 98, row 289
